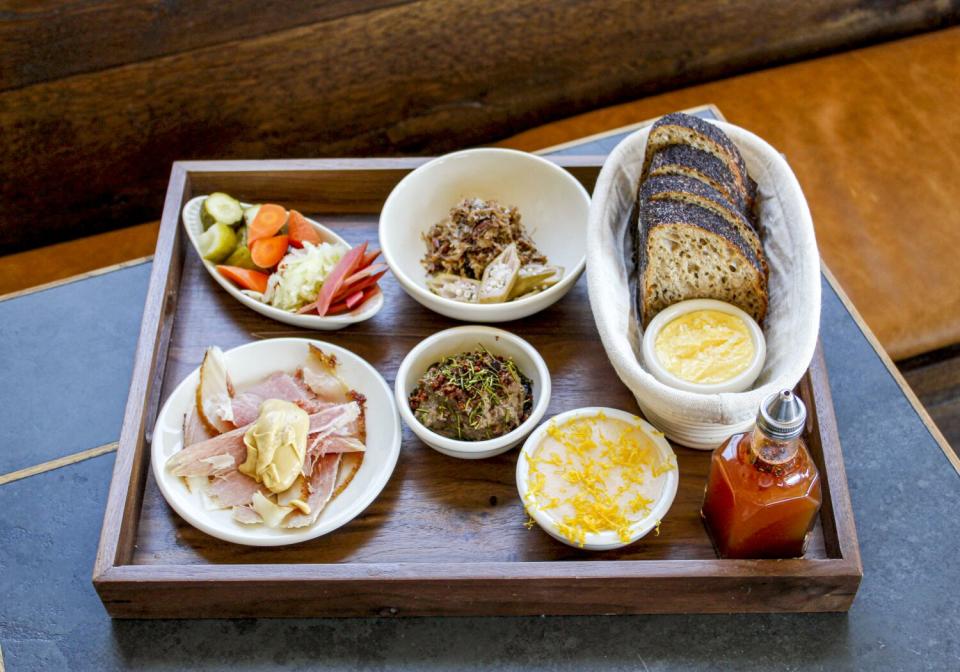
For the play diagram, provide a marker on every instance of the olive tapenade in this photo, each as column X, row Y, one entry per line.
column 472, row 396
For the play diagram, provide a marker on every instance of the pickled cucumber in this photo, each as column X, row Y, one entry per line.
column 240, row 256
column 500, row 276
column 449, row 286
column 220, row 208
column 535, row 278
column 217, row 242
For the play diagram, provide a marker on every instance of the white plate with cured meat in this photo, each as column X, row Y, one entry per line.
column 204, row 452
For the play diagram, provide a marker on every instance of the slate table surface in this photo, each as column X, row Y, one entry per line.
column 66, row 357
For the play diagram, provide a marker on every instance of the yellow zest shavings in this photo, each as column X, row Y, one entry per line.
column 594, row 483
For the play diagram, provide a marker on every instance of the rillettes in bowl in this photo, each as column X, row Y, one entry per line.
column 465, row 339
column 553, row 207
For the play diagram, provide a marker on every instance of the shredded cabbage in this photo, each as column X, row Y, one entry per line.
column 300, row 275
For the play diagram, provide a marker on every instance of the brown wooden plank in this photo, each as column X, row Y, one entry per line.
column 398, row 80
column 98, row 34
column 434, row 539
column 568, row 588
column 126, row 486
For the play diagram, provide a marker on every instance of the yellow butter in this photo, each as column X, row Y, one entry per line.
column 705, row 346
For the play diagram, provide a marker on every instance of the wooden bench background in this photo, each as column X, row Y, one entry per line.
column 98, row 97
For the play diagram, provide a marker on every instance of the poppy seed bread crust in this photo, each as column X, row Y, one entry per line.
column 683, row 129
column 688, row 161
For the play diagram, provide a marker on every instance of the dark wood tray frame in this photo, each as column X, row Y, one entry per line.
column 579, row 586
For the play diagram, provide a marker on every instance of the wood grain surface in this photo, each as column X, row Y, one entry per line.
column 872, row 136
column 101, row 97
column 444, row 530
column 99, row 34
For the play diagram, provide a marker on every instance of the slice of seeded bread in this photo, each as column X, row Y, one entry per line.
column 683, row 129
column 688, row 252
column 690, row 190
column 697, row 164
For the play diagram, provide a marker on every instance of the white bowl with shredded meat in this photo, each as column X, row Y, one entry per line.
column 552, row 204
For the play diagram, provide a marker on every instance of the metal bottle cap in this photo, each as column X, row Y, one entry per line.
column 782, row 416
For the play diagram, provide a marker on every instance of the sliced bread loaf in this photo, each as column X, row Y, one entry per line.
column 697, row 164
column 683, row 129
column 688, row 252
column 690, row 190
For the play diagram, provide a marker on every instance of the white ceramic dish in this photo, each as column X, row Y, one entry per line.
column 194, row 228
column 607, row 540
column 465, row 339
column 738, row 383
column 247, row 364
column 790, row 328
column 552, row 203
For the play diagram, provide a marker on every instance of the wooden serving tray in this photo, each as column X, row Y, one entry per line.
column 446, row 536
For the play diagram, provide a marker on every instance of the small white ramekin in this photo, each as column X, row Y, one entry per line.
column 738, row 383
column 465, row 339
column 607, row 540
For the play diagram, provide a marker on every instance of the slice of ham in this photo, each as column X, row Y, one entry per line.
column 246, row 515
column 312, row 406
column 232, row 489
column 332, row 419
column 321, row 486
column 349, row 466
column 212, row 457
column 343, row 426
column 340, row 441
column 283, row 386
column 194, row 431
column 319, row 375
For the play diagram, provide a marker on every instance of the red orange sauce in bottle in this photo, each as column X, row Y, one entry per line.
column 763, row 490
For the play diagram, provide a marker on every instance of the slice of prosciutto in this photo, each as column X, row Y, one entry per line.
column 282, row 386
column 218, row 455
column 321, row 485
column 232, row 489
column 319, row 374
column 194, row 431
column 340, row 441
column 246, row 515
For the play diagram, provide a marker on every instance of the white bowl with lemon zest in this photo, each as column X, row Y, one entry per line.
column 597, row 478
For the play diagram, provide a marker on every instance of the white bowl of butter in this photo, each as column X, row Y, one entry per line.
column 597, row 478
column 704, row 345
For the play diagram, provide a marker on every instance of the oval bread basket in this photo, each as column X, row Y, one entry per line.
column 793, row 317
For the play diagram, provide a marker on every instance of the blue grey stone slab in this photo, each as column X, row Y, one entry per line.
column 64, row 354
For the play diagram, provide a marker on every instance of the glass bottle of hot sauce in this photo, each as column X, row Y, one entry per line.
column 763, row 491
